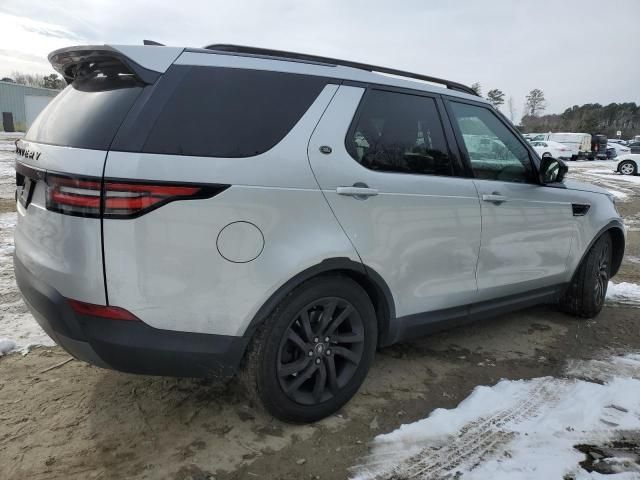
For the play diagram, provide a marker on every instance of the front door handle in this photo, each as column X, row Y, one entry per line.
column 494, row 197
column 359, row 191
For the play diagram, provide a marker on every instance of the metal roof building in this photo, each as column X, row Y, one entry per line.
column 24, row 103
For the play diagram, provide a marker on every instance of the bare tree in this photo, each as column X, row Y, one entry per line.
column 38, row 80
column 536, row 102
column 476, row 87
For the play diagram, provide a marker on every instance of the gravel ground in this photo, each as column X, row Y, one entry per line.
column 81, row 422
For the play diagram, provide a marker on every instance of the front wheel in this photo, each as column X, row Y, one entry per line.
column 628, row 167
column 313, row 353
column 588, row 289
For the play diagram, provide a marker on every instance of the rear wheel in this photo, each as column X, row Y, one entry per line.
column 586, row 294
column 313, row 353
column 628, row 167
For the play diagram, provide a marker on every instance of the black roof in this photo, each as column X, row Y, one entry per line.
column 240, row 49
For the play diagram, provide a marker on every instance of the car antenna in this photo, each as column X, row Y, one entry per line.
column 152, row 42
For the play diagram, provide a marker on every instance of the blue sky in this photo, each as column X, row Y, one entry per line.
column 575, row 51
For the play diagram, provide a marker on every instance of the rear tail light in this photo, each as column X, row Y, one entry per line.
column 102, row 311
column 116, row 198
column 74, row 196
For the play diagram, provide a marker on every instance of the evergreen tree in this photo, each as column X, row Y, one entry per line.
column 536, row 102
column 495, row 97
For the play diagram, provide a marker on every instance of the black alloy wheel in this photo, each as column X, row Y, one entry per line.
column 313, row 352
column 320, row 351
column 602, row 274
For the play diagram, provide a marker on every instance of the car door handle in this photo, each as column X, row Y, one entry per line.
column 357, row 192
column 494, row 197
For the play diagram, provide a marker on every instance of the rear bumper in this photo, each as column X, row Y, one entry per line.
column 128, row 346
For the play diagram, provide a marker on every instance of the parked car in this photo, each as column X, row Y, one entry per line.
column 199, row 212
column 530, row 136
column 634, row 147
column 578, row 143
column 552, row 149
column 628, row 164
column 618, row 147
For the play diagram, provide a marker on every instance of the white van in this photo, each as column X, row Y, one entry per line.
column 579, row 143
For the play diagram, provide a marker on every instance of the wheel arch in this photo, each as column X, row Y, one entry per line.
column 618, row 240
column 627, row 160
column 373, row 284
column 615, row 228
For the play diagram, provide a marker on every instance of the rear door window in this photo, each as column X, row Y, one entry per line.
column 398, row 132
column 226, row 112
column 88, row 113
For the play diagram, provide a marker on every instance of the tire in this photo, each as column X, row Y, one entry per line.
column 628, row 167
column 298, row 341
column 588, row 289
column 546, row 154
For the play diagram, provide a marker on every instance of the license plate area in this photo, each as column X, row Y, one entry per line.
column 25, row 192
column 26, row 179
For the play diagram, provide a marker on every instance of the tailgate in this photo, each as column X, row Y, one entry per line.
column 59, row 168
column 64, row 251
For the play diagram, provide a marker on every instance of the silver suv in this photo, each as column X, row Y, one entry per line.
column 199, row 212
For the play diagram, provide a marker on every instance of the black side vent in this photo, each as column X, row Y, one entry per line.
column 580, row 209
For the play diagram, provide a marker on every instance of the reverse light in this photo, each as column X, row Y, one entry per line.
column 117, row 198
column 102, row 311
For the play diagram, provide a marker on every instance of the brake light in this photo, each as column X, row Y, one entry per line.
column 73, row 196
column 103, row 311
column 117, row 198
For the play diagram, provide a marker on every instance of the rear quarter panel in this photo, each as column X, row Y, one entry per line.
column 165, row 266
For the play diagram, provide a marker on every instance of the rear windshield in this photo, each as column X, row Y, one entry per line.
column 226, row 112
column 88, row 112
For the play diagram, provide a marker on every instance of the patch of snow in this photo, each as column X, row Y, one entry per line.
column 632, row 259
column 624, row 292
column 619, row 195
column 617, row 177
column 524, row 429
column 7, row 168
column 6, row 346
column 5, row 135
column 605, row 370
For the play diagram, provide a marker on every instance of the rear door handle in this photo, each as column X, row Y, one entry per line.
column 357, row 191
column 494, row 197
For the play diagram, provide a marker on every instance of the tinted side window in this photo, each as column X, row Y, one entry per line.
column 88, row 112
column 224, row 112
column 494, row 151
column 397, row 132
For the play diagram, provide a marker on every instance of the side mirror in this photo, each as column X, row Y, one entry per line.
column 552, row 170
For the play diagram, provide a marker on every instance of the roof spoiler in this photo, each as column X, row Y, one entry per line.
column 146, row 62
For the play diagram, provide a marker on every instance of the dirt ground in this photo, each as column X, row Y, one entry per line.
column 76, row 421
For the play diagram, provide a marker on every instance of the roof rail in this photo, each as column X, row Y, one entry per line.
column 334, row 61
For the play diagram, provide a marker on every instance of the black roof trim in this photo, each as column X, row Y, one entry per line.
column 240, row 49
